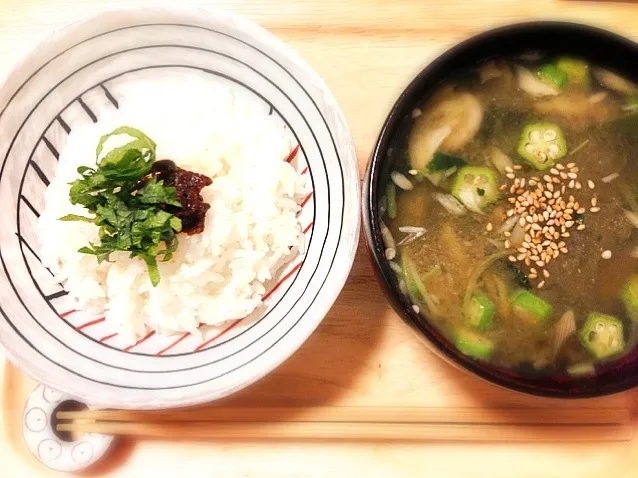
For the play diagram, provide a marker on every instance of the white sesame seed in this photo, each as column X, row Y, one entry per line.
column 510, row 176
column 594, row 209
column 489, row 227
column 571, row 184
column 512, row 259
column 591, row 184
column 594, row 201
column 560, row 166
column 606, row 254
column 520, row 257
column 570, row 165
column 564, row 250
column 553, row 171
column 518, row 167
column 508, row 169
column 390, row 253
column 507, row 234
column 563, row 175
column 541, row 284
column 545, row 273
column 581, row 227
column 540, row 263
column 415, row 308
column 572, row 175
column 581, row 210
column 521, row 221
column 569, row 223
column 578, row 185
column 413, row 172
column 508, row 244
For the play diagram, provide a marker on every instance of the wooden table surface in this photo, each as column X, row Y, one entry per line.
column 366, row 50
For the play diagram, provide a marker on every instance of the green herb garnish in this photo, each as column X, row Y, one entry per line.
column 443, row 162
column 519, row 276
column 127, row 205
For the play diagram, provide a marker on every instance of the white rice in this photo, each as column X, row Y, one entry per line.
column 251, row 229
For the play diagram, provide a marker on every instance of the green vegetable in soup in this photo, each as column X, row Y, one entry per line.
column 528, row 306
column 415, row 285
column 443, row 162
column 542, row 144
column 629, row 297
column 473, row 344
column 519, row 276
column 584, row 369
column 602, row 335
column 479, row 313
column 552, row 75
column 391, row 199
column 577, row 71
column 475, row 187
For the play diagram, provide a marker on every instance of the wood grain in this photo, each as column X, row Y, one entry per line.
column 361, row 355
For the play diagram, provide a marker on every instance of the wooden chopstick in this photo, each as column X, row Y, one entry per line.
column 361, row 423
column 359, row 431
column 512, row 416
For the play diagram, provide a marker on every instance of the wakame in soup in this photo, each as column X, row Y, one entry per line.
column 511, row 212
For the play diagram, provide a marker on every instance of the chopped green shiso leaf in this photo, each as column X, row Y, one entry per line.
column 127, row 205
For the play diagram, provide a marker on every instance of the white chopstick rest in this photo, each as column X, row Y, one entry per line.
column 50, row 450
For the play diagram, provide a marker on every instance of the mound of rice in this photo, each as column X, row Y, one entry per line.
column 251, row 229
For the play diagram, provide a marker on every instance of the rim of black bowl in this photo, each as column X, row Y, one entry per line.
column 603, row 48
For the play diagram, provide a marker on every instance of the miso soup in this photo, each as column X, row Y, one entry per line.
column 511, row 213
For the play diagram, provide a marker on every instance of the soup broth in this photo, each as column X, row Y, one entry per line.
column 511, row 213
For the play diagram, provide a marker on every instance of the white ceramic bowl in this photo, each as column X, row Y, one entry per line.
column 74, row 78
